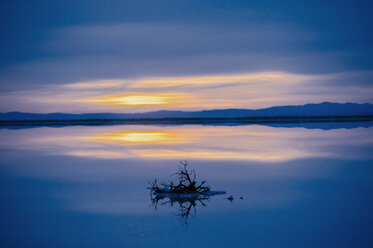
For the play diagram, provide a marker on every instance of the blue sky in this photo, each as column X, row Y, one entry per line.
column 91, row 56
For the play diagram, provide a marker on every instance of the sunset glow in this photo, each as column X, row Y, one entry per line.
column 186, row 123
column 261, row 77
column 214, row 91
column 142, row 137
column 256, row 143
column 251, row 143
column 139, row 99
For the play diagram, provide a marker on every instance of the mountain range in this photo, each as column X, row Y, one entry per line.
column 319, row 109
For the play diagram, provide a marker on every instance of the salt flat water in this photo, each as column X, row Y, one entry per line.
column 85, row 186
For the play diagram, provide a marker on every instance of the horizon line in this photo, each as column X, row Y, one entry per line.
column 189, row 111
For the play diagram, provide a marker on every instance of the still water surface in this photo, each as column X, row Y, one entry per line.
column 86, row 186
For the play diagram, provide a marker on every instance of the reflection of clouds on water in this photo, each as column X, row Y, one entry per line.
column 97, row 171
column 253, row 143
column 143, row 137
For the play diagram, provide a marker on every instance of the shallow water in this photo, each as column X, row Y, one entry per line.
column 86, row 186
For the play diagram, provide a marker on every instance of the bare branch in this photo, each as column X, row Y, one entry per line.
column 186, row 183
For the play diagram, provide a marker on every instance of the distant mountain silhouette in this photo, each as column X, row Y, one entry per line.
column 320, row 109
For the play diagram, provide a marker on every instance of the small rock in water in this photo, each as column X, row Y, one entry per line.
column 241, row 197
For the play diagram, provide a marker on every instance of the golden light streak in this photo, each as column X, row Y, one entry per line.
column 219, row 155
column 140, row 99
column 221, row 143
column 141, row 137
column 252, row 143
column 269, row 77
column 192, row 93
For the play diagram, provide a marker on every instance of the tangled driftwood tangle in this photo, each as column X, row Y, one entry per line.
column 183, row 193
column 186, row 183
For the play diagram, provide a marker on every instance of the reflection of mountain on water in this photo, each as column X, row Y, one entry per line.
column 324, row 123
column 185, row 205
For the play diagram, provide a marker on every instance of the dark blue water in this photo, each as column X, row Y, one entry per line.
column 86, row 187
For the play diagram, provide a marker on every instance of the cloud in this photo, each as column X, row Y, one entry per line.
column 99, row 84
column 126, row 50
column 248, row 65
column 136, row 99
column 216, row 80
column 249, row 90
column 149, row 40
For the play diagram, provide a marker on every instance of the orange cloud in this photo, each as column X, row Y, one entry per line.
column 269, row 77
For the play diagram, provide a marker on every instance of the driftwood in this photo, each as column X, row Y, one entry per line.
column 184, row 193
column 186, row 183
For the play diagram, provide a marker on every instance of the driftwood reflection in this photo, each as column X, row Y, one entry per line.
column 185, row 207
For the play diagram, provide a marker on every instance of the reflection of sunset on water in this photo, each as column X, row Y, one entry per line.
column 255, row 143
column 216, row 154
column 133, row 137
column 199, row 143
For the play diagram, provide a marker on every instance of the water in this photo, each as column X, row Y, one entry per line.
column 86, row 186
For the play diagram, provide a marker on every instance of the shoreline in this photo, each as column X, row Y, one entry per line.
column 182, row 121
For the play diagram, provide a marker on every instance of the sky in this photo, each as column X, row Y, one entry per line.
column 137, row 56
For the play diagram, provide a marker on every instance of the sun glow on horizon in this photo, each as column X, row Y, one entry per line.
column 252, row 90
column 139, row 99
column 200, row 92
